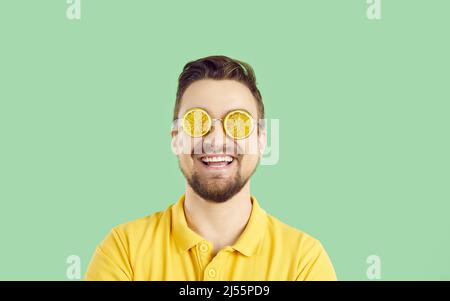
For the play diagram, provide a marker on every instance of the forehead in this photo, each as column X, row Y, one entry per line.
column 218, row 97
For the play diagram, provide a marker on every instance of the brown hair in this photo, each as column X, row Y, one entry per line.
column 218, row 67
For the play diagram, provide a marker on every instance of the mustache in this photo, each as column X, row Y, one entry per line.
column 208, row 149
column 202, row 149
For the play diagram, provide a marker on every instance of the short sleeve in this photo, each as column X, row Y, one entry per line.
column 315, row 265
column 110, row 260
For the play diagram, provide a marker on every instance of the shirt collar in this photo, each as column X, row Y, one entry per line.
column 248, row 242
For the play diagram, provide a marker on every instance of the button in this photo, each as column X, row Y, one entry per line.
column 204, row 248
column 212, row 273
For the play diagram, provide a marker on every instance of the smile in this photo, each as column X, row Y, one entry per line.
column 217, row 161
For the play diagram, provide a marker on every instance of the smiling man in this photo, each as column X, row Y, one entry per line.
column 217, row 229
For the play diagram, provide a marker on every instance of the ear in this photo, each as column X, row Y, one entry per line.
column 175, row 145
column 262, row 141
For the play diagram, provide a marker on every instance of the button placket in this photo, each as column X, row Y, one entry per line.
column 212, row 270
column 204, row 255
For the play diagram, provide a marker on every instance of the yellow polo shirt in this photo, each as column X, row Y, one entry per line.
column 161, row 246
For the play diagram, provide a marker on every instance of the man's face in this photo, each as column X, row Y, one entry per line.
column 217, row 166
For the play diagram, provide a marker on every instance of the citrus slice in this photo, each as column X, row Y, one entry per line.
column 238, row 124
column 196, row 122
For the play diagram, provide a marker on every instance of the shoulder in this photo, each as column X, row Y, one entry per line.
column 289, row 234
column 147, row 226
column 308, row 253
column 295, row 243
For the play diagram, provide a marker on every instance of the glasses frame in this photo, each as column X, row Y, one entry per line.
column 223, row 121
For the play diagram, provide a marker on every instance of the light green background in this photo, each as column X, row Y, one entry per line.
column 85, row 111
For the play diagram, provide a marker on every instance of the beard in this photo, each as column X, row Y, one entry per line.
column 217, row 190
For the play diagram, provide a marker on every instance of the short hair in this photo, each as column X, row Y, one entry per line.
column 218, row 67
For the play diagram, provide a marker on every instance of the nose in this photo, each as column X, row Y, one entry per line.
column 215, row 140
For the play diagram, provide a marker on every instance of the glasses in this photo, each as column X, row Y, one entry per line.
column 238, row 124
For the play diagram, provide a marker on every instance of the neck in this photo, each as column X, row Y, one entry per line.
column 219, row 223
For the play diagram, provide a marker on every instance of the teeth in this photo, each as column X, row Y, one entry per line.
column 217, row 159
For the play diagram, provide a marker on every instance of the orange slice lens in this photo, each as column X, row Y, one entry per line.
column 196, row 122
column 238, row 124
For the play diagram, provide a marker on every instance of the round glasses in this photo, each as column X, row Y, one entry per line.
column 238, row 124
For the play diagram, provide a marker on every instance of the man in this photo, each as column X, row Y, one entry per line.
column 216, row 230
